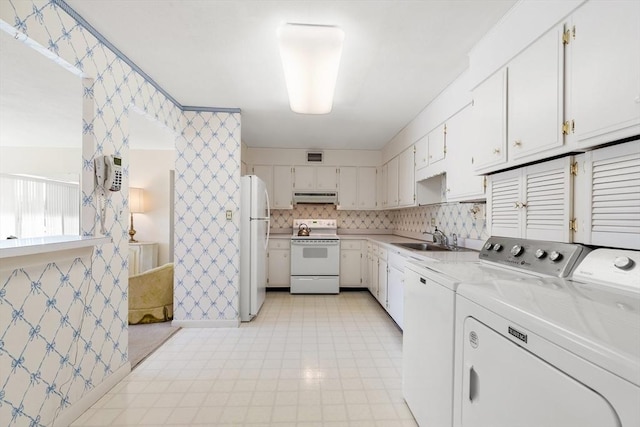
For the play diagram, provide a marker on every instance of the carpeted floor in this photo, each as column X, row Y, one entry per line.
column 145, row 339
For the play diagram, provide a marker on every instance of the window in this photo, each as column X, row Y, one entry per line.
column 33, row 206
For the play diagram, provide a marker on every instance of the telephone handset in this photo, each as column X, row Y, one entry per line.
column 108, row 174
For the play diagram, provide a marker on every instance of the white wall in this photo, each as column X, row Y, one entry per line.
column 41, row 161
column 149, row 169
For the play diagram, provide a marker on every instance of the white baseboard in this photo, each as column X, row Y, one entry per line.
column 73, row 412
column 206, row 323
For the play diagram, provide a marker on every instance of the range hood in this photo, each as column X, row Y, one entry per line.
column 315, row 197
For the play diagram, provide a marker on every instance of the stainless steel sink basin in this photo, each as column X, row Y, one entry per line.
column 427, row 247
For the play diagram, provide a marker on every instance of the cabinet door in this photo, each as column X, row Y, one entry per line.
column 437, row 144
column 422, row 152
column 265, row 173
column 604, row 66
column 282, row 187
column 348, row 188
column 382, row 283
column 607, row 200
column 546, row 202
column 304, row 178
column 536, row 97
column 385, row 185
column 392, row 183
column 367, row 177
column 462, row 182
column 364, row 265
column 489, row 121
column 326, row 178
column 406, row 178
column 396, row 295
column 374, row 275
column 504, row 194
column 279, row 268
column 350, row 268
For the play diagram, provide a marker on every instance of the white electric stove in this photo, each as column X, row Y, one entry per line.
column 315, row 258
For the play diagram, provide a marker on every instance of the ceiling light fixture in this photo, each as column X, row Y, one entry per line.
column 311, row 58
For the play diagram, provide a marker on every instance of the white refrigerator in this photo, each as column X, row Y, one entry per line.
column 254, row 237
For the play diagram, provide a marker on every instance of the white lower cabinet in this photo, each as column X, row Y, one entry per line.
column 395, row 287
column 351, row 271
column 279, row 263
column 382, row 278
column 607, row 196
column 372, row 268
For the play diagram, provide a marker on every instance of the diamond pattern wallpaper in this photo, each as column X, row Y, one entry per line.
column 207, row 247
column 63, row 328
column 347, row 220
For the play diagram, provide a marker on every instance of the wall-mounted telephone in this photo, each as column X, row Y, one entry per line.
column 108, row 174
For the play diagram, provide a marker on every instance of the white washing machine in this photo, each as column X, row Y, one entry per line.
column 429, row 317
column 551, row 352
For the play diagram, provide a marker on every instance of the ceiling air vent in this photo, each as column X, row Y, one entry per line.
column 314, row 156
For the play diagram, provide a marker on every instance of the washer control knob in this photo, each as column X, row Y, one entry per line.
column 488, row 246
column 623, row 263
column 541, row 253
column 497, row 247
column 517, row 250
column 555, row 256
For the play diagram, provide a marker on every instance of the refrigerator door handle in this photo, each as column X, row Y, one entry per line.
column 266, row 242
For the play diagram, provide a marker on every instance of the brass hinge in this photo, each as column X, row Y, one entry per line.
column 414, row 149
column 484, row 183
column 267, row 280
column 414, row 197
column 573, row 169
column 473, row 102
column 445, row 149
column 568, row 127
column 253, row 170
column 445, row 129
column 573, row 225
column 566, row 37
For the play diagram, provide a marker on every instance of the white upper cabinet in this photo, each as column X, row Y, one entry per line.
column 489, row 122
column 534, row 202
column 348, row 187
column 282, row 187
column 603, row 67
column 462, row 183
column 422, row 152
column 430, row 153
column 367, row 193
column 357, row 187
column 265, row 173
column 315, row 178
column 326, row 178
column 607, row 196
column 406, row 179
column 392, row 183
column 535, row 98
column 437, row 148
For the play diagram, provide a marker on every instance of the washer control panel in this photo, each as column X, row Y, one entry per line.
column 537, row 256
column 619, row 267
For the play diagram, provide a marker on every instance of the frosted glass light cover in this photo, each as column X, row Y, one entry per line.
column 310, row 58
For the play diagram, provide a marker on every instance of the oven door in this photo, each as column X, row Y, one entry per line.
column 315, row 257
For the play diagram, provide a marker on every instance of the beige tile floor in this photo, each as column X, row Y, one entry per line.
column 306, row 360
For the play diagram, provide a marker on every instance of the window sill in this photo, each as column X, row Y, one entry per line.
column 41, row 245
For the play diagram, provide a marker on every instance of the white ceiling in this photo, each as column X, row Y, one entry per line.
column 398, row 55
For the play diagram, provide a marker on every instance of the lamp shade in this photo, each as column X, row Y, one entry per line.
column 136, row 200
column 310, row 57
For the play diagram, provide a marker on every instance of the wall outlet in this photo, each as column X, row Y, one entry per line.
column 433, row 222
column 229, row 215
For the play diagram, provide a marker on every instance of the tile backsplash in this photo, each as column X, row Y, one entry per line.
column 467, row 220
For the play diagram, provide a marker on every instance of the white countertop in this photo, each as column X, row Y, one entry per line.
column 387, row 239
column 38, row 245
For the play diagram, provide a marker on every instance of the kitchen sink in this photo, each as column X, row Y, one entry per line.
column 427, row 247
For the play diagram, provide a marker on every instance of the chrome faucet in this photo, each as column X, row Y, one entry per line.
column 439, row 237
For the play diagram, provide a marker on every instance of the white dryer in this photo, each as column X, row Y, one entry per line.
column 550, row 351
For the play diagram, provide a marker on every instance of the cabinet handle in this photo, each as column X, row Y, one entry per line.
column 496, row 151
column 517, row 143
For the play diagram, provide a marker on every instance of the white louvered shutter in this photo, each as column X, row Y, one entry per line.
column 609, row 211
column 547, row 194
column 503, row 194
